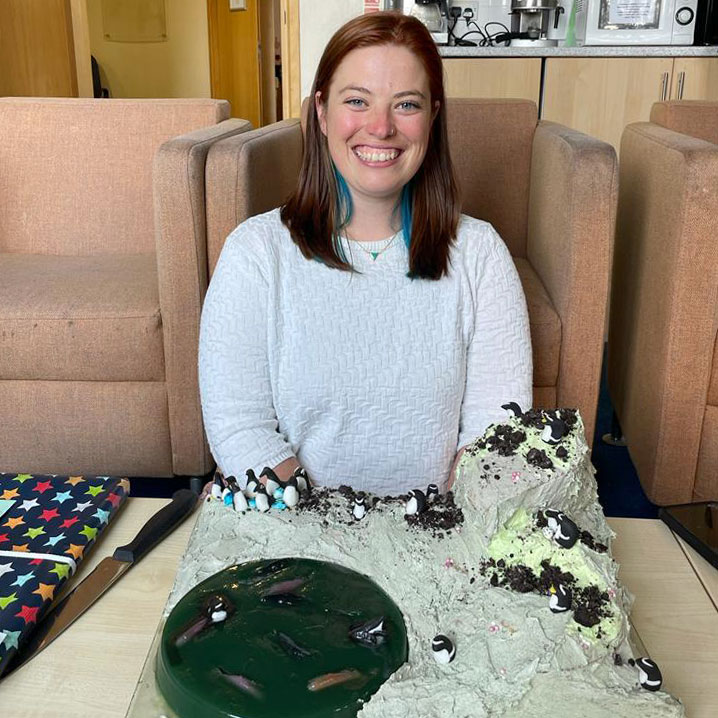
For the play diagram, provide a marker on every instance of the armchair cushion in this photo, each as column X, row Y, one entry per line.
column 545, row 326
column 696, row 118
column 80, row 318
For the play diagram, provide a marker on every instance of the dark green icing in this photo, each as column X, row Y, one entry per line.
column 331, row 600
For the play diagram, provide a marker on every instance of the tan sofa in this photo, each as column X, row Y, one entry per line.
column 549, row 191
column 662, row 350
column 102, row 272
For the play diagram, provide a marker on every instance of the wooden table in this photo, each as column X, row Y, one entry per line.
column 92, row 669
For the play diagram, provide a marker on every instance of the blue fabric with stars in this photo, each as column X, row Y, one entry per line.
column 58, row 516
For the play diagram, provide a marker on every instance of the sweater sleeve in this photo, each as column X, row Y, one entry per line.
column 234, row 377
column 499, row 363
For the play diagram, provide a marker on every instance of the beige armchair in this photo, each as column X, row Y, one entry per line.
column 549, row 191
column 102, row 271
column 662, row 350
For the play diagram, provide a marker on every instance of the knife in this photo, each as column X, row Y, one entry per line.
column 104, row 575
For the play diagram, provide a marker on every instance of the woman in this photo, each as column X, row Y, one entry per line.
column 367, row 330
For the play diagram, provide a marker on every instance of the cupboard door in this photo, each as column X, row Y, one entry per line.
column 493, row 77
column 695, row 78
column 601, row 95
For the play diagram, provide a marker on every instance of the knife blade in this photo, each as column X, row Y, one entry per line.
column 63, row 614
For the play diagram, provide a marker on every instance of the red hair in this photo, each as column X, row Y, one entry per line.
column 312, row 213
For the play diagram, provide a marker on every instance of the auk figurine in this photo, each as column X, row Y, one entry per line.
column 554, row 431
column 251, row 488
column 513, row 409
column 359, row 510
column 443, row 649
column 565, row 532
column 261, row 499
column 371, row 633
column 432, row 491
column 291, row 493
column 303, row 484
column 416, row 503
column 272, row 481
column 649, row 675
column 560, row 599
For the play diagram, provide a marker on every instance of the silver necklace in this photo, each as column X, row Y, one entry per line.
column 374, row 255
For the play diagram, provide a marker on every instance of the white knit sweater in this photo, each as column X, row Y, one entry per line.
column 373, row 379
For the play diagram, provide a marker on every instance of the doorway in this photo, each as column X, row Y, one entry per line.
column 254, row 57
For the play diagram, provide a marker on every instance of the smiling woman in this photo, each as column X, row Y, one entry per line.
column 366, row 330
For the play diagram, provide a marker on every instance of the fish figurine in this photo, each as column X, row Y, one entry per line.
column 327, row 680
column 243, row 683
column 290, row 645
column 288, row 586
column 370, row 633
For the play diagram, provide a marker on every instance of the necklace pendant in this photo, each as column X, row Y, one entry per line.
column 374, row 255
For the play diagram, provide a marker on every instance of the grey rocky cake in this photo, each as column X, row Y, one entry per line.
column 507, row 586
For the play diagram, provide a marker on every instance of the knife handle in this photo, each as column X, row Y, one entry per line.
column 164, row 521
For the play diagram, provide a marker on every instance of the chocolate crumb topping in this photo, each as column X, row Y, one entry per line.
column 537, row 457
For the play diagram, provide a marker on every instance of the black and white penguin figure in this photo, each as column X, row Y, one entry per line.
column 416, row 503
column 432, row 491
column 217, row 490
column 239, row 500
column 300, row 474
column 554, row 431
column 359, row 509
column 513, row 409
column 272, row 481
column 218, row 608
column 649, row 674
column 291, row 492
column 560, row 601
column 371, row 633
column 443, row 649
column 261, row 499
column 252, row 482
column 565, row 531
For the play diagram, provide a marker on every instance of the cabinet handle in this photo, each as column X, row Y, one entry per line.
column 681, row 83
column 664, row 87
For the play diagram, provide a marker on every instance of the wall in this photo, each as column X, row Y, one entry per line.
column 178, row 67
column 318, row 21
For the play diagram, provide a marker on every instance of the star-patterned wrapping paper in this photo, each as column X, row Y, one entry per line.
column 47, row 526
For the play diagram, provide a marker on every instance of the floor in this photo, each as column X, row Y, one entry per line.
column 619, row 490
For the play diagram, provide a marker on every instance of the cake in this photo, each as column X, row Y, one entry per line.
column 506, row 588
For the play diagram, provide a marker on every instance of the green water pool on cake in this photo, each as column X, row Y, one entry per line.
column 280, row 641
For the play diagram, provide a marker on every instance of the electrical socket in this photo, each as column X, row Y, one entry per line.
column 463, row 4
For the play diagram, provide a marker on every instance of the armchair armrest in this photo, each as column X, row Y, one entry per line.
column 664, row 300
column 180, row 234
column 572, row 202
column 249, row 174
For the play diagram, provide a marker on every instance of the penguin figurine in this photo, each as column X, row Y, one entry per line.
column 554, row 431
column 443, row 649
column 432, row 491
column 217, row 486
column 303, row 484
column 272, row 482
column 513, row 409
column 218, row 608
column 560, row 600
column 239, row 500
column 649, row 675
column 416, row 503
column 371, row 633
column 261, row 499
column 565, row 531
column 291, row 492
column 359, row 510
column 251, row 488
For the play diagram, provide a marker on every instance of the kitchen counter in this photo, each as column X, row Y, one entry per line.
column 586, row 51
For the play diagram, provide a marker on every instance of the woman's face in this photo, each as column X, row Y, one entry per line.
column 377, row 119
